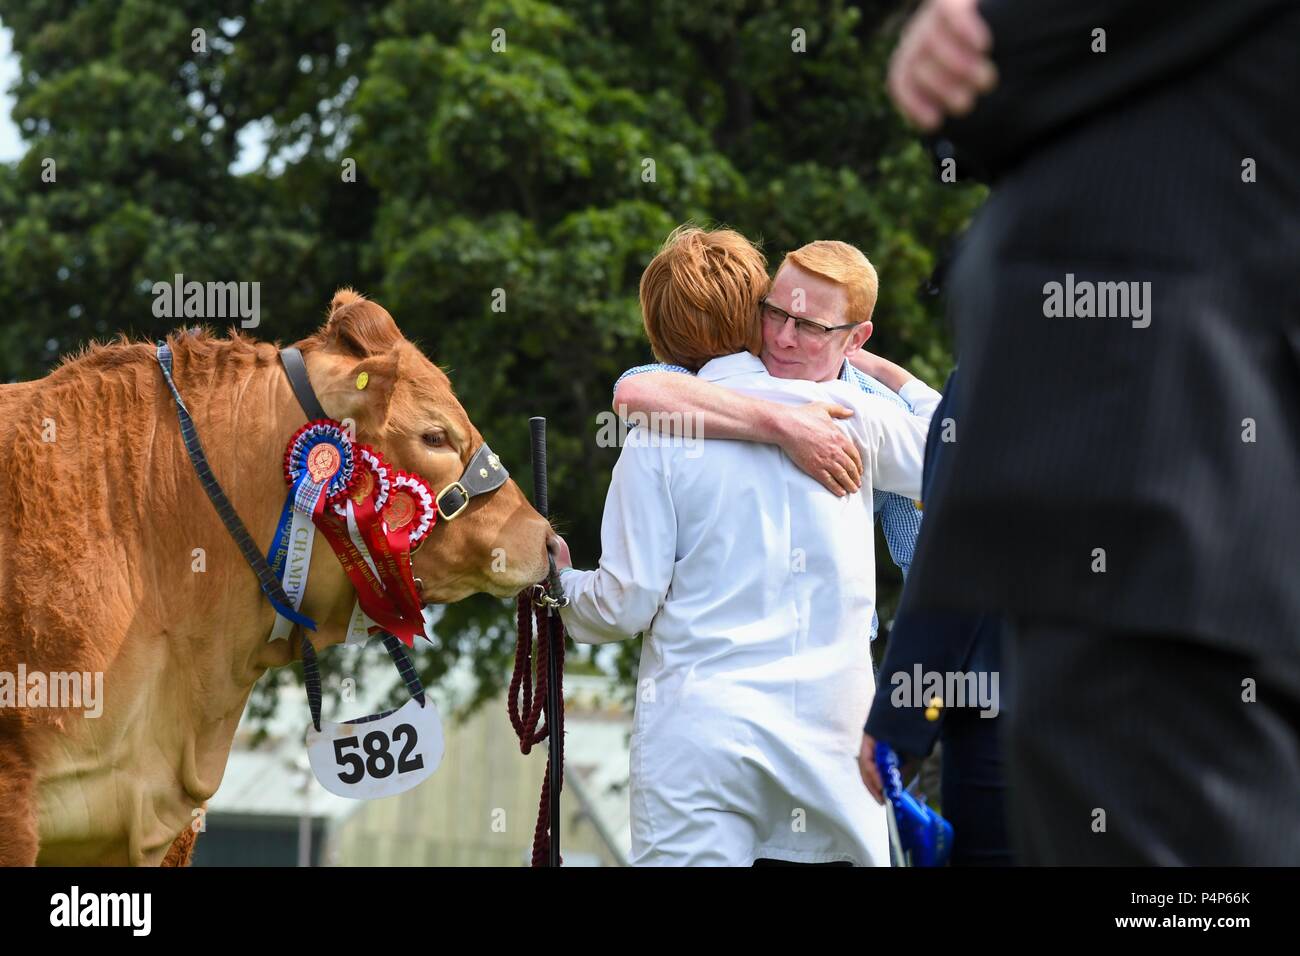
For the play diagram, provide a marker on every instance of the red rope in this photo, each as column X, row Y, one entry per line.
column 526, row 711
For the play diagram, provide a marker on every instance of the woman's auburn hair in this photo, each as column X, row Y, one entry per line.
column 700, row 296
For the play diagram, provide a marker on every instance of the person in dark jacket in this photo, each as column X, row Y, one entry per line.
column 1123, row 484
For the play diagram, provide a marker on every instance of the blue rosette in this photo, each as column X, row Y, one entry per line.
column 319, row 462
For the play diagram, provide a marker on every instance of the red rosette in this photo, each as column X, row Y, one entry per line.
column 410, row 508
column 373, row 478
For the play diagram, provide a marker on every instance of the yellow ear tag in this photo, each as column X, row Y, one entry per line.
column 363, row 380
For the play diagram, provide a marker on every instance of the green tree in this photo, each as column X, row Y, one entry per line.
column 517, row 165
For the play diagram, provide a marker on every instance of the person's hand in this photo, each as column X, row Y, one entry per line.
column 559, row 549
column 820, row 448
column 942, row 64
column 871, row 773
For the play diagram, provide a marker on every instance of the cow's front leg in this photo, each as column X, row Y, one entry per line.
column 19, row 833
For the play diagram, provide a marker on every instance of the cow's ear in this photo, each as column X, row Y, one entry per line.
column 361, row 391
column 356, row 326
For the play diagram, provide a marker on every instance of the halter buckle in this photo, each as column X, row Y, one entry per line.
column 464, row 492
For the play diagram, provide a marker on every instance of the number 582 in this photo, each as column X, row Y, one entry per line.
column 378, row 762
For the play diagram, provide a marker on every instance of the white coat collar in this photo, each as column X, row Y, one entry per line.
column 741, row 363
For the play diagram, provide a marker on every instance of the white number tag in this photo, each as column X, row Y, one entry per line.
column 378, row 758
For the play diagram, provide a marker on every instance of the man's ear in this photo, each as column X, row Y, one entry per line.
column 360, row 391
column 859, row 336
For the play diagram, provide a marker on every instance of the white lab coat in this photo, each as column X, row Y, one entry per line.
column 755, row 588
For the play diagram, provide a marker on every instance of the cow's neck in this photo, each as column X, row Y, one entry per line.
column 252, row 437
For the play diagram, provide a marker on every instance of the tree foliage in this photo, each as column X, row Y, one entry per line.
column 503, row 152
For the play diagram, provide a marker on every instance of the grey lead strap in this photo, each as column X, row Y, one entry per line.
column 266, row 577
column 404, row 667
column 311, row 678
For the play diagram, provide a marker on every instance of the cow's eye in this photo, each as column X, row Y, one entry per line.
column 434, row 439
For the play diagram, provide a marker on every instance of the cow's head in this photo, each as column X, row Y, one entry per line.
column 407, row 411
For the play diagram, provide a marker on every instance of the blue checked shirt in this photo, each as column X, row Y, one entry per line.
column 900, row 518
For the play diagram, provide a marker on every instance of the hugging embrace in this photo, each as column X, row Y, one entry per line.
column 747, row 559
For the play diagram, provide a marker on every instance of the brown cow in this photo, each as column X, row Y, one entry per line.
column 99, row 572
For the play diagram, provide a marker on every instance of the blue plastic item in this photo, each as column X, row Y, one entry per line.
column 924, row 837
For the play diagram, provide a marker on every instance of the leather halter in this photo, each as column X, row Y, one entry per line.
column 483, row 475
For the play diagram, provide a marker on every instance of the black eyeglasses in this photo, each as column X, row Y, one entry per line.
column 805, row 327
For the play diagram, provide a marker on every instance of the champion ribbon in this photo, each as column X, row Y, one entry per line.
column 290, row 559
column 318, row 463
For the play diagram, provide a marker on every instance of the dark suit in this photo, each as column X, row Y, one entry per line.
column 924, row 641
column 1103, row 488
